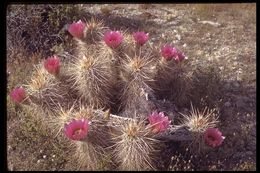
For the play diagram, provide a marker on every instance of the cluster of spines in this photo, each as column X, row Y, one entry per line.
column 134, row 147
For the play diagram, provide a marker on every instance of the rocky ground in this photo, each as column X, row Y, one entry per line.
column 219, row 36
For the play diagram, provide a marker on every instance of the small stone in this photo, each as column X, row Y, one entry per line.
column 185, row 45
column 53, row 155
column 44, row 156
column 178, row 36
column 239, row 79
column 239, row 71
column 221, row 68
column 163, row 36
column 227, row 104
column 215, row 24
column 41, row 151
column 9, row 147
column 38, row 161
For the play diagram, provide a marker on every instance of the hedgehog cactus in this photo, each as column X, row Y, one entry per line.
column 135, row 147
column 117, row 71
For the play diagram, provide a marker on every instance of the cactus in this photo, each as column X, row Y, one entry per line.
column 134, row 147
column 111, row 71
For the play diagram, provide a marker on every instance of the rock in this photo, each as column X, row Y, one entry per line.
column 221, row 68
column 239, row 79
column 44, row 156
column 215, row 24
column 9, row 148
column 178, row 36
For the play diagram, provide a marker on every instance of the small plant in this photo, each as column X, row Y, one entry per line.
column 201, row 125
column 119, row 71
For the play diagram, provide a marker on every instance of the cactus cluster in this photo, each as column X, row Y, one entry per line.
column 100, row 97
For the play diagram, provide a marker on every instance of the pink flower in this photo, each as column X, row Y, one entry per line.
column 77, row 129
column 18, row 94
column 76, row 29
column 158, row 121
column 168, row 52
column 113, row 39
column 140, row 37
column 52, row 65
column 179, row 56
column 213, row 137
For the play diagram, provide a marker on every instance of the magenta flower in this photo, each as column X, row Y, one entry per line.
column 158, row 121
column 140, row 37
column 52, row 65
column 76, row 29
column 113, row 39
column 168, row 52
column 77, row 129
column 179, row 56
column 18, row 94
column 213, row 137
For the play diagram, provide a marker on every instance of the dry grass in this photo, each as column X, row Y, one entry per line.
column 30, row 140
column 207, row 11
column 31, row 25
